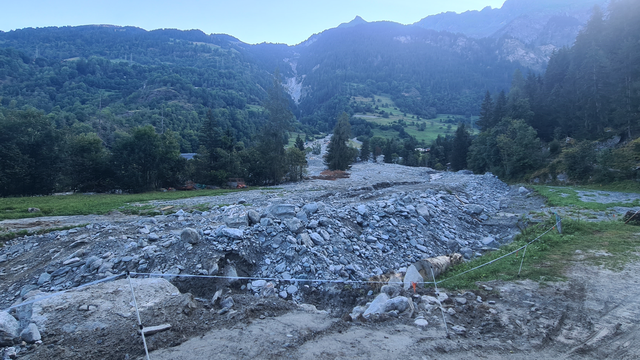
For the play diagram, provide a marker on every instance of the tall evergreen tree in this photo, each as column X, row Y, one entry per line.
column 339, row 154
column 500, row 110
column 460, row 148
column 299, row 144
column 365, row 150
column 486, row 120
column 272, row 165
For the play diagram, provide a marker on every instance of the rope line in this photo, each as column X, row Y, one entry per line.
column 135, row 303
column 501, row 257
column 337, row 281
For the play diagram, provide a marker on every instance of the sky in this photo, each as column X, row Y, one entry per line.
column 252, row 21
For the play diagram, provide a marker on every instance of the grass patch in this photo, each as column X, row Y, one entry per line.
column 610, row 244
column 568, row 196
column 98, row 204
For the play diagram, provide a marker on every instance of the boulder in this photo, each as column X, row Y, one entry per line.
column 310, row 208
column 236, row 216
column 253, row 217
column 232, row 233
column 294, row 225
column 8, row 329
column 398, row 303
column 473, row 209
column 423, row 211
column 190, row 236
column 523, row 191
column 317, row 239
column 412, row 276
column 30, row 334
column 362, row 210
column 44, row 278
column 282, row 211
column 377, row 306
column 227, row 303
column 305, row 239
column 490, row 242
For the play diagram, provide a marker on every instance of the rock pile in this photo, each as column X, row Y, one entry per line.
column 351, row 235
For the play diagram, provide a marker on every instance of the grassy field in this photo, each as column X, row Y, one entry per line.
column 98, row 204
column 609, row 244
column 568, row 196
column 434, row 127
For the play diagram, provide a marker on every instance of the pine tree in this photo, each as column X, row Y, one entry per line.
column 339, row 155
column 499, row 111
column 365, row 150
column 485, row 121
column 272, row 166
column 299, row 144
column 461, row 143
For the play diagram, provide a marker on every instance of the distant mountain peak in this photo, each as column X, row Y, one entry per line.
column 356, row 21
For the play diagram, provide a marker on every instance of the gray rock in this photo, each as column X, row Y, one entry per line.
column 282, row 211
column 227, row 303
column 398, row 303
column 266, row 222
column 231, row 273
column 8, row 328
column 232, row 233
column 294, row 225
column 153, row 237
column 473, row 209
column 453, row 245
column 362, row 210
column 490, row 242
column 423, row 211
column 412, row 276
column 31, row 334
column 9, row 353
column 421, row 323
column 292, row 289
column 190, row 236
column 305, row 239
column 258, row 284
column 44, row 278
column 523, row 191
column 310, row 208
column 377, row 306
column 253, row 217
column 317, row 239
column 33, row 210
column 459, row 329
column 461, row 301
column 466, row 252
column 390, row 290
column 236, row 216
column 312, row 224
column 283, row 294
column 302, row 216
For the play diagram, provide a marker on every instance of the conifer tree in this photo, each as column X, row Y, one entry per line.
column 339, row 155
column 486, row 113
column 365, row 150
column 299, row 143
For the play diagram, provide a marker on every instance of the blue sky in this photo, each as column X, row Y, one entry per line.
column 252, row 21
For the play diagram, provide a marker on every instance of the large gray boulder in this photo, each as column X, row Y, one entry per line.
column 9, row 328
column 412, row 276
column 232, row 233
column 282, row 211
column 398, row 303
column 190, row 236
column 30, row 334
column 473, row 209
column 423, row 211
column 236, row 216
column 310, row 208
column 377, row 306
column 253, row 217
column 294, row 225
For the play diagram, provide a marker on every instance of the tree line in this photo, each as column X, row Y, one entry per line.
column 38, row 158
